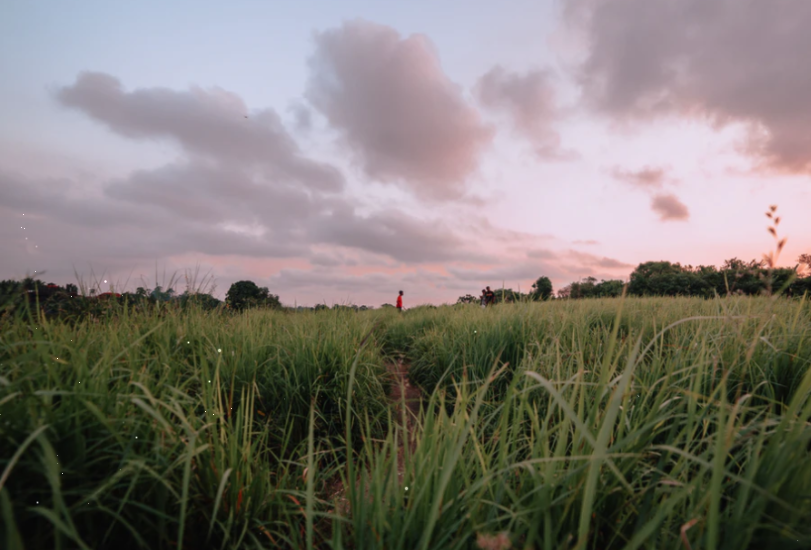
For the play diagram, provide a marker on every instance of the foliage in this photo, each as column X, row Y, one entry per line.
column 160, row 295
column 34, row 299
column 468, row 299
column 594, row 424
column 542, row 289
column 501, row 295
column 508, row 295
column 136, row 404
column 590, row 288
column 206, row 302
column 734, row 277
column 592, row 443
column 246, row 294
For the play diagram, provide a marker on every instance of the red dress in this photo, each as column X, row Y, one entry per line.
column 399, row 302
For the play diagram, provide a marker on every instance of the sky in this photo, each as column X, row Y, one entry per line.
column 337, row 152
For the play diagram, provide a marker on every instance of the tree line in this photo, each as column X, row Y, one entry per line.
column 662, row 278
column 71, row 302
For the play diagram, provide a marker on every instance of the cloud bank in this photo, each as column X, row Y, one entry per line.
column 726, row 61
column 397, row 111
column 529, row 101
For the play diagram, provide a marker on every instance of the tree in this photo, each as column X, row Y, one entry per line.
column 657, row 279
column 541, row 289
column 206, row 302
column 800, row 287
column 467, row 299
column 160, row 295
column 584, row 288
column 590, row 288
column 748, row 278
column 271, row 300
column 245, row 294
column 609, row 289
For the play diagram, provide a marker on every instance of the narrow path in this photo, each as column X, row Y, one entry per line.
column 401, row 390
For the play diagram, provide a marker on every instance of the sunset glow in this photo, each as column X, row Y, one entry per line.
column 340, row 152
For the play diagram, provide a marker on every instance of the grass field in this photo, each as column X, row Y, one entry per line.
column 606, row 424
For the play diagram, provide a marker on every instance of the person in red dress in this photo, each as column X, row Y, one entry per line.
column 400, row 302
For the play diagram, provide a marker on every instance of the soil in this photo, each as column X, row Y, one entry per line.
column 401, row 390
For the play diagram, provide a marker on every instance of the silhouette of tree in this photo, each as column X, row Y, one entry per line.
column 246, row 294
column 542, row 289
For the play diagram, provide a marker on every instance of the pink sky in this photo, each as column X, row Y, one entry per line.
column 340, row 154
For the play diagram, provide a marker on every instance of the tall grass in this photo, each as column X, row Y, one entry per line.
column 643, row 423
column 165, row 428
column 676, row 421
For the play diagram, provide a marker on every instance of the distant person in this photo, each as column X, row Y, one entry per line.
column 489, row 297
column 483, row 299
column 400, row 302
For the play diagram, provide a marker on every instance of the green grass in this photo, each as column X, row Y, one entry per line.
column 641, row 423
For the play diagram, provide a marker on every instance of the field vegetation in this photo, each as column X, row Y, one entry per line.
column 615, row 423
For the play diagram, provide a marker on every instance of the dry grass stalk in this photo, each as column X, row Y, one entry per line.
column 771, row 257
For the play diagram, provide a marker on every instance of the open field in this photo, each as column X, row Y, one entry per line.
column 637, row 423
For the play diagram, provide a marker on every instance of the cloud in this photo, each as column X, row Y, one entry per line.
column 317, row 247
column 325, row 278
column 540, row 253
column 554, row 152
column 302, row 116
column 589, row 242
column 727, row 61
column 529, row 100
column 246, row 184
column 669, row 207
column 391, row 233
column 644, row 178
column 213, row 123
column 279, row 218
column 326, row 260
column 509, row 274
column 213, row 209
column 70, row 226
column 652, row 180
column 140, row 222
column 610, row 263
column 563, row 265
column 210, row 192
column 397, row 111
column 590, row 260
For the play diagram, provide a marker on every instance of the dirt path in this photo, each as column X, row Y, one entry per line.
column 401, row 390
